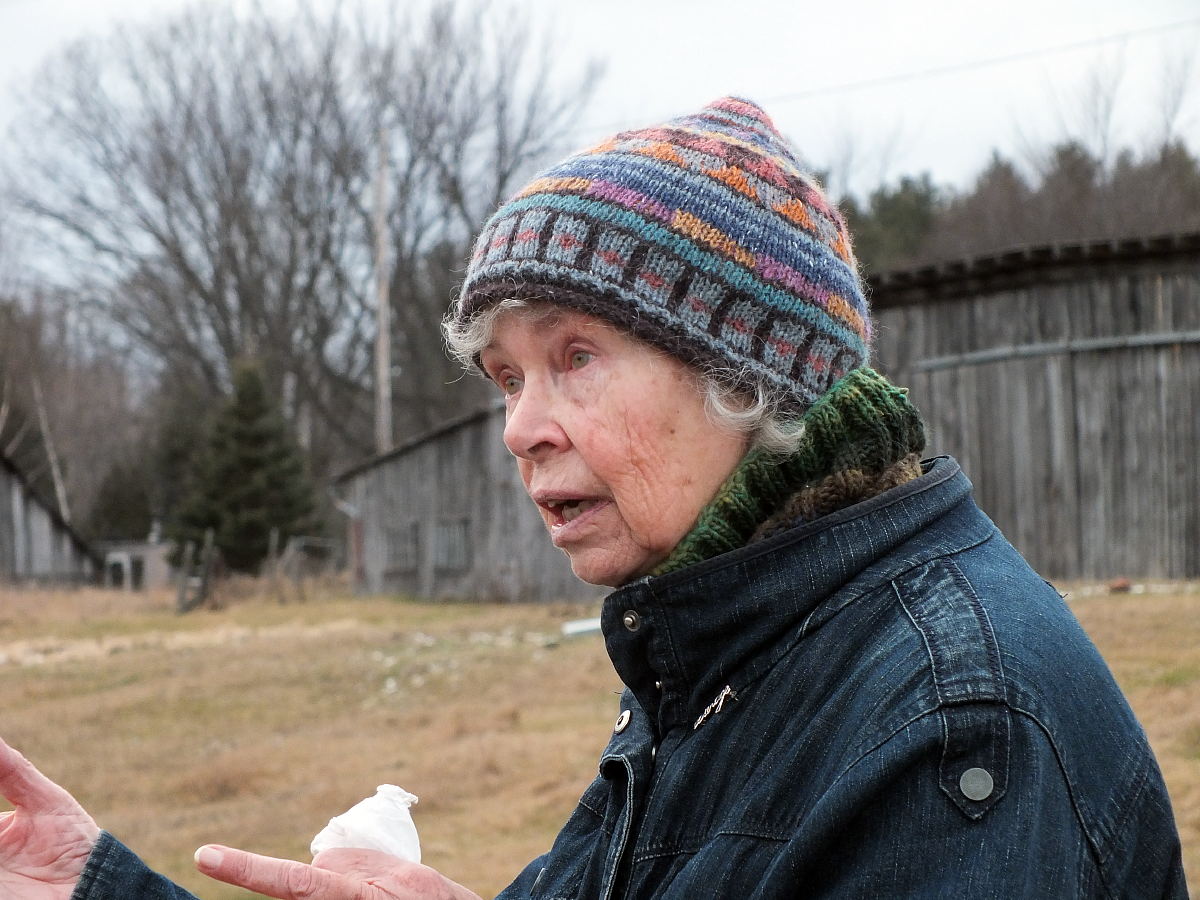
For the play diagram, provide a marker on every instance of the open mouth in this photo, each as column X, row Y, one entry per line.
column 565, row 511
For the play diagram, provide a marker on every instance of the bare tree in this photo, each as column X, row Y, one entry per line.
column 67, row 412
column 996, row 213
column 11, row 252
column 1097, row 107
column 206, row 184
column 1176, row 87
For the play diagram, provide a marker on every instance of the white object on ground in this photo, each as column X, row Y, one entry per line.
column 578, row 627
column 382, row 822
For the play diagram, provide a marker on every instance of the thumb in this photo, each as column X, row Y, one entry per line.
column 28, row 789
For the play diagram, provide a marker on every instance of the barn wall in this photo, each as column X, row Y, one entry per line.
column 22, row 564
column 448, row 518
column 41, row 543
column 1066, row 380
column 8, row 525
column 1073, row 403
column 35, row 545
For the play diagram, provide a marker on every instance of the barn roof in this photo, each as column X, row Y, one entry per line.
column 55, row 516
column 1019, row 267
column 423, row 438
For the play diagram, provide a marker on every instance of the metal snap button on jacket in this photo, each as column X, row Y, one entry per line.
column 622, row 721
column 632, row 620
column 976, row 784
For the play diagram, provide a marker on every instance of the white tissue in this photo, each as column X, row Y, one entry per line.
column 382, row 822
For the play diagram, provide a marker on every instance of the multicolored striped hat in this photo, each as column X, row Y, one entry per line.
column 701, row 236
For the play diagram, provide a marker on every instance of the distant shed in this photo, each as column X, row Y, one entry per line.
column 136, row 565
column 1066, row 380
column 445, row 516
column 36, row 544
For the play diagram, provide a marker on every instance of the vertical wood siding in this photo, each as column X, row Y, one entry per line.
column 448, row 518
column 8, row 526
column 1084, row 452
column 34, row 543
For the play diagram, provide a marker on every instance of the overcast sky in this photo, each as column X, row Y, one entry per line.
column 910, row 85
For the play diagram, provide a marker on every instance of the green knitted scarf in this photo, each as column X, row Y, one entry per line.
column 860, row 437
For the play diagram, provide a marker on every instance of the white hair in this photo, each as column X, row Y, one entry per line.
column 734, row 399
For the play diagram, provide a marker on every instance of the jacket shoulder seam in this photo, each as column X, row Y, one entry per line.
column 1099, row 855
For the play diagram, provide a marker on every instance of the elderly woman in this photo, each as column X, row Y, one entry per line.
column 841, row 680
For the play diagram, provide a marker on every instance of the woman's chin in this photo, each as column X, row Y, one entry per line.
column 608, row 569
column 599, row 577
column 599, row 568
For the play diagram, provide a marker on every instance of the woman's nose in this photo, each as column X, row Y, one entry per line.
column 532, row 428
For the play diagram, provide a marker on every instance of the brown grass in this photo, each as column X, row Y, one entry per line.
column 253, row 724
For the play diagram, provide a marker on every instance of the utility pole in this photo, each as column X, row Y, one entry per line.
column 383, row 310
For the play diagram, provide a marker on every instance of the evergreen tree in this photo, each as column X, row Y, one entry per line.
column 891, row 229
column 250, row 479
column 122, row 507
column 181, row 412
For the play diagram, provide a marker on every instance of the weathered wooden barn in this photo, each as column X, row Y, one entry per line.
column 445, row 516
column 36, row 545
column 1066, row 380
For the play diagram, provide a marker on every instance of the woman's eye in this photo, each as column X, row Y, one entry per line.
column 580, row 358
column 510, row 384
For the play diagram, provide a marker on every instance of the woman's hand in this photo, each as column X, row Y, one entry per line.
column 334, row 875
column 46, row 839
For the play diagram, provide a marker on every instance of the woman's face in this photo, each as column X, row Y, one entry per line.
column 611, row 439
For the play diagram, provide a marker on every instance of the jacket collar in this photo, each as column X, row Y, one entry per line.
column 678, row 640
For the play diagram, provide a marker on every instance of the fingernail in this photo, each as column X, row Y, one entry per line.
column 208, row 857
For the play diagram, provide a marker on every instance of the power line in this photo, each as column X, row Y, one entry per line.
column 949, row 69
column 953, row 68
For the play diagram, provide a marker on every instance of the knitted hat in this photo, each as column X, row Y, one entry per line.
column 702, row 237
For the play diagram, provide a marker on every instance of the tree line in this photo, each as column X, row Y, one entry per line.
column 1069, row 195
column 203, row 191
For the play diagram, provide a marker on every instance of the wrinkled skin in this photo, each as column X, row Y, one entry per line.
column 597, row 417
column 46, row 839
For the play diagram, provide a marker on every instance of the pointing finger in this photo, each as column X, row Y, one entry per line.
column 285, row 879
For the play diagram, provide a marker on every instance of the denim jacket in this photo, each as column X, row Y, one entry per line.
column 887, row 702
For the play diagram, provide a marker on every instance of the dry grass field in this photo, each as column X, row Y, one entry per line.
column 253, row 724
